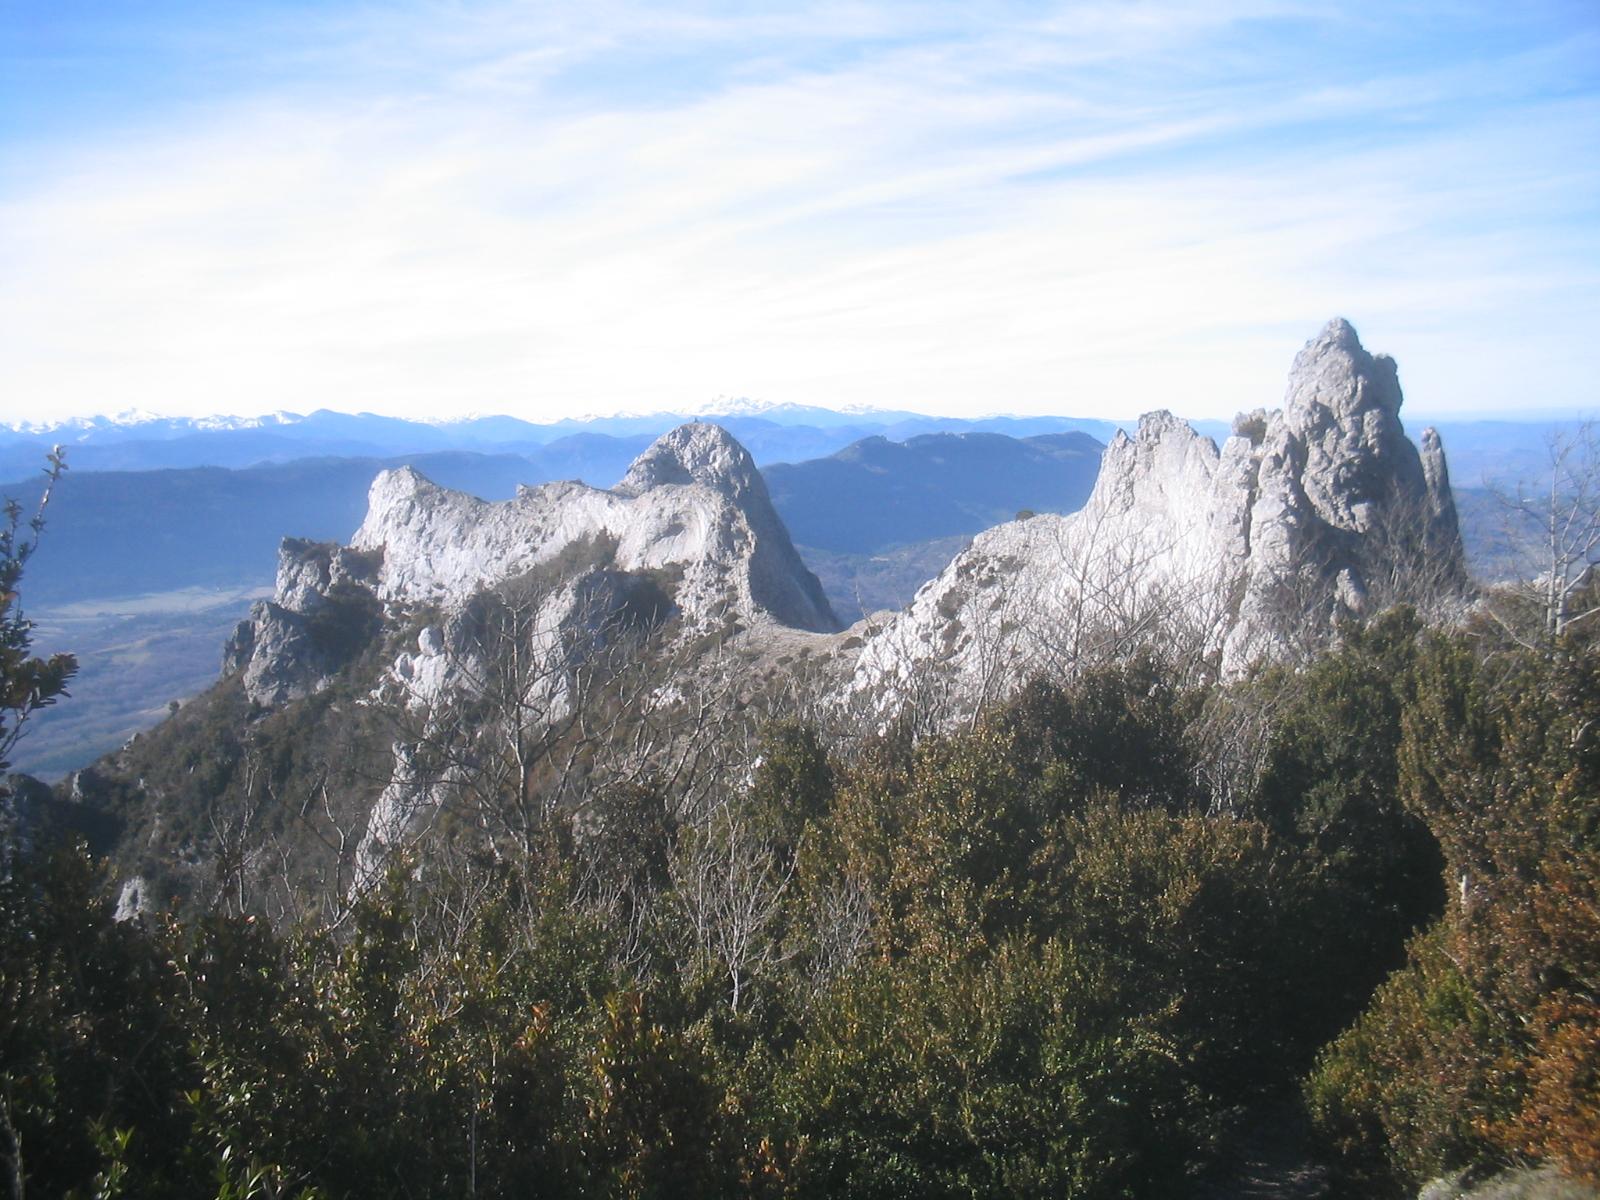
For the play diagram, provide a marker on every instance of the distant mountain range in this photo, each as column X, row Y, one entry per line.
column 120, row 533
column 787, row 433
column 160, row 504
column 143, row 426
column 599, row 448
column 877, row 493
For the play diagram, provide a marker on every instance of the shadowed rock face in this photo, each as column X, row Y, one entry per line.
column 693, row 506
column 1320, row 508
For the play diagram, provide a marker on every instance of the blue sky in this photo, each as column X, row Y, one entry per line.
column 549, row 210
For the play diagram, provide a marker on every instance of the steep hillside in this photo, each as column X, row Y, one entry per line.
column 452, row 637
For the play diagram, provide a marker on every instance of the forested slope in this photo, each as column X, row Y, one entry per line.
column 1071, row 950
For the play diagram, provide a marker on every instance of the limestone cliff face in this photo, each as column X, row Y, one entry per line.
column 693, row 502
column 692, row 508
column 1230, row 555
column 512, row 600
column 1344, row 509
column 291, row 645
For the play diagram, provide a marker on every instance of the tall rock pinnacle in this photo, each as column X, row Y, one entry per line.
column 1320, row 508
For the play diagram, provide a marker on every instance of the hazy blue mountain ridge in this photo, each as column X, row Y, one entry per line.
column 118, row 533
column 878, row 493
column 777, row 435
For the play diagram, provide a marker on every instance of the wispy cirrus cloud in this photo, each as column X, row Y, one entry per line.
column 547, row 209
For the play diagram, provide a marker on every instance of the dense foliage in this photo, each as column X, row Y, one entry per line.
column 1487, row 1042
column 1073, row 950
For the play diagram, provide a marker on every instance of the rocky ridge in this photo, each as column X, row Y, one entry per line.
column 1222, row 556
column 693, row 502
column 514, row 602
column 283, row 651
column 1319, row 509
column 693, row 510
column 645, row 620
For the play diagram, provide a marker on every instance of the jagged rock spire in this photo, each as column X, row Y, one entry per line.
column 1318, row 508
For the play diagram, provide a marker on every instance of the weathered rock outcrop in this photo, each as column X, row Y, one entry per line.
column 1321, row 508
column 692, row 510
column 693, row 504
column 522, row 601
column 322, row 609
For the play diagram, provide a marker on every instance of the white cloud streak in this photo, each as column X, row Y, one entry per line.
column 859, row 204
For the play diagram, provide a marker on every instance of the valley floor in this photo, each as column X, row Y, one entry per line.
column 136, row 654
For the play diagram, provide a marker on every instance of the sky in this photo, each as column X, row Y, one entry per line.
column 431, row 209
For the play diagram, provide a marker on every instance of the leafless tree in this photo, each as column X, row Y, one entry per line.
column 334, row 886
column 730, row 881
column 1124, row 588
column 1232, row 737
column 1554, row 524
column 1412, row 556
column 1292, row 608
column 517, row 682
column 532, row 681
column 548, row 700
column 840, row 925
column 238, row 849
column 256, row 869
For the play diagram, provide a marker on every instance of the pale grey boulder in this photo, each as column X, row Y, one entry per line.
column 290, row 646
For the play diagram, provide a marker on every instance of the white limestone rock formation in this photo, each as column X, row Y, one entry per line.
column 511, row 662
column 692, row 510
column 1321, row 508
column 291, row 645
column 692, row 503
column 519, row 606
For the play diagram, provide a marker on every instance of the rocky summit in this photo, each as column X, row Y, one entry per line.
column 692, row 512
column 452, row 612
column 1221, row 557
column 1320, row 509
